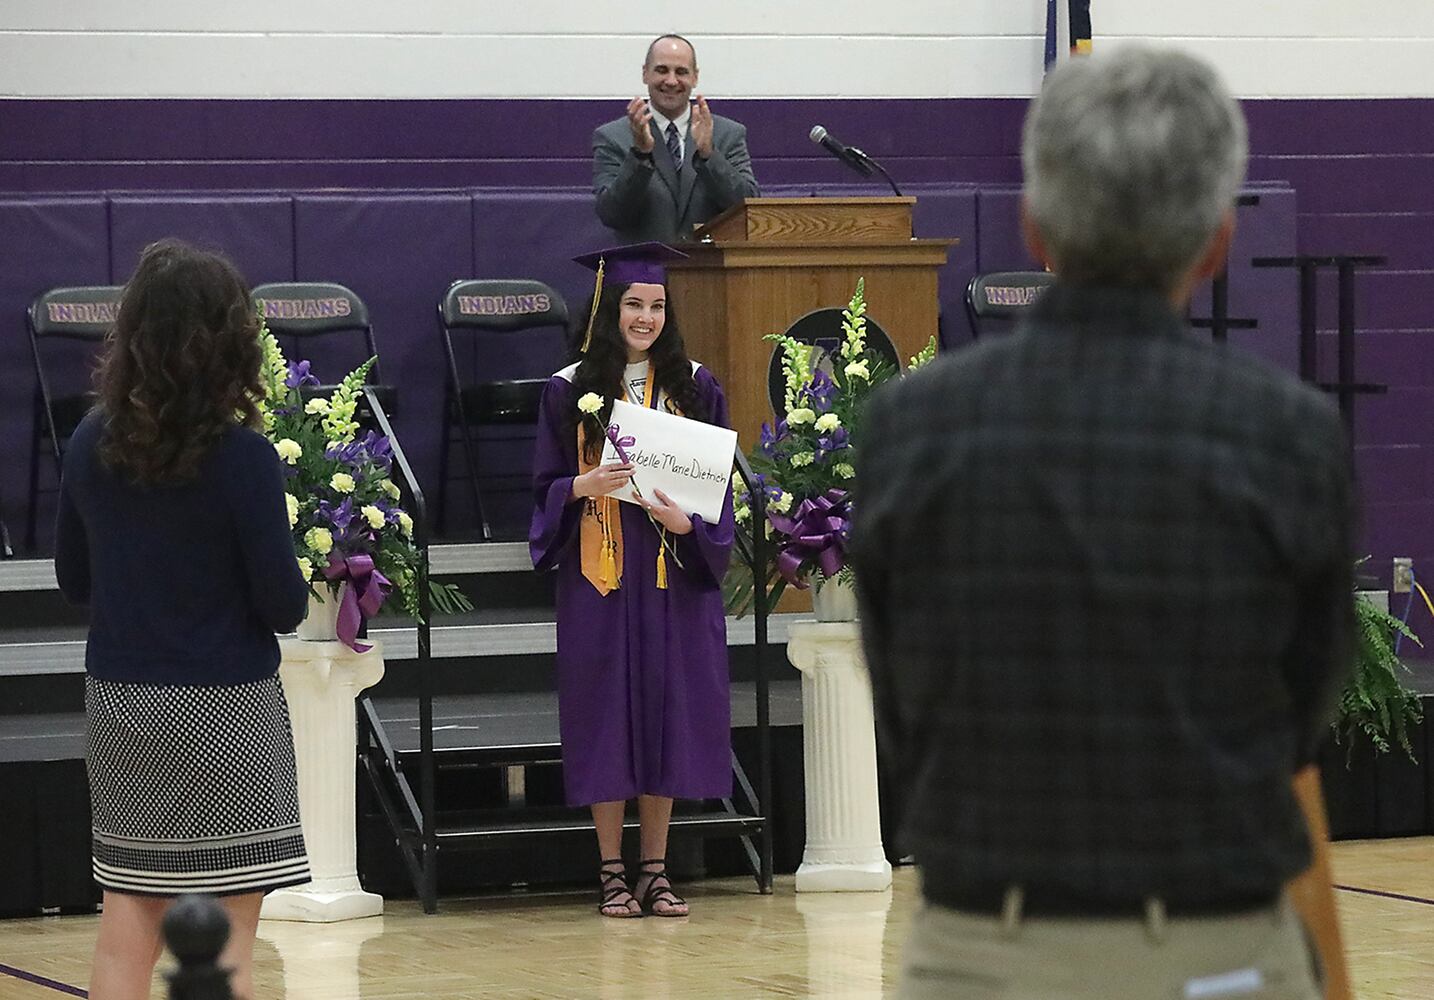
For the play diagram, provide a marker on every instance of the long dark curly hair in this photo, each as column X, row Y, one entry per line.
column 181, row 365
column 601, row 368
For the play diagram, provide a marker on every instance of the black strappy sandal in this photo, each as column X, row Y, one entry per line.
column 659, row 890
column 612, row 886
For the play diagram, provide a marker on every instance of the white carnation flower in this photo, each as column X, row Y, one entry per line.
column 828, row 422
column 288, row 450
column 590, row 402
column 801, row 415
column 292, row 502
column 372, row 515
column 342, row 482
column 321, row 540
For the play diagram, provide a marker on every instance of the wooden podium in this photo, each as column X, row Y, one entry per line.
column 766, row 262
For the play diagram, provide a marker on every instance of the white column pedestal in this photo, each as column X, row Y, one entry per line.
column 843, row 851
column 321, row 681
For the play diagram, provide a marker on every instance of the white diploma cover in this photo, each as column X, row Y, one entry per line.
column 689, row 461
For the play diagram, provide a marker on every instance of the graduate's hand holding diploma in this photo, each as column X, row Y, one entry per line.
column 602, row 480
column 667, row 513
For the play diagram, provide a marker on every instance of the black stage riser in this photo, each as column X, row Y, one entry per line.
column 45, row 856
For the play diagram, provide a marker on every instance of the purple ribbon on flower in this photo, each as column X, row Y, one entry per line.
column 620, row 443
column 816, row 532
column 363, row 596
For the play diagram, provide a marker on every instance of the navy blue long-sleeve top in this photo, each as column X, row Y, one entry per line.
column 186, row 584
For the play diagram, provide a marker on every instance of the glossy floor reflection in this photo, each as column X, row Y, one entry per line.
column 737, row 944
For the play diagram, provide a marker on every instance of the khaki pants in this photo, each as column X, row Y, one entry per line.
column 1262, row 955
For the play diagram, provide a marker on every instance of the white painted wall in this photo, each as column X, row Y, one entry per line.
column 747, row 48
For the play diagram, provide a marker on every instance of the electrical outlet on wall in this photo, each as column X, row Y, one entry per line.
column 1403, row 580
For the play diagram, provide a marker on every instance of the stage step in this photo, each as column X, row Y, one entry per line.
column 497, row 577
column 483, row 730
column 492, row 730
column 504, row 828
column 479, row 635
column 41, row 636
column 445, row 560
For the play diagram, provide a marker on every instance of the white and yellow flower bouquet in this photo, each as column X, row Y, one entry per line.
column 345, row 510
column 807, row 463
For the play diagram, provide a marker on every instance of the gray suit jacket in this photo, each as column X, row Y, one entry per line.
column 643, row 201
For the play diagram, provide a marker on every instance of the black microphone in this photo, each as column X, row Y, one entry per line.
column 849, row 155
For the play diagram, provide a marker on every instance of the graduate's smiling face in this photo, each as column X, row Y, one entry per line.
column 641, row 314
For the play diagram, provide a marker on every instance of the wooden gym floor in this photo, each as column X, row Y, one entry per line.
column 736, row 945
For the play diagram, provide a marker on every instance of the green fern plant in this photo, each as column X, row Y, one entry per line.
column 1375, row 701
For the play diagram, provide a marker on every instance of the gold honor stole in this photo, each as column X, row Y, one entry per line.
column 600, row 529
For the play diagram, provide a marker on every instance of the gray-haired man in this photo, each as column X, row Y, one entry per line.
column 1106, row 587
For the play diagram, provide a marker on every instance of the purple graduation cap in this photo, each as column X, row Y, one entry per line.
column 637, row 263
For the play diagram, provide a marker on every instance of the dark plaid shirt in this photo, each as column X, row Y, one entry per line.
column 1106, row 580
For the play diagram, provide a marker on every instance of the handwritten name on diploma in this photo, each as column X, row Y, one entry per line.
column 688, row 460
column 667, row 462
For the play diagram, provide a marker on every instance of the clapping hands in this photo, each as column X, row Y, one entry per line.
column 702, row 127
column 639, row 119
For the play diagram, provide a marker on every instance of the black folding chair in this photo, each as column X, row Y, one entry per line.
column 82, row 317
column 481, row 308
column 997, row 299
column 299, row 312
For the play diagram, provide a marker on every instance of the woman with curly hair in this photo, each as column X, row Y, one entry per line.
column 643, row 703
column 173, row 528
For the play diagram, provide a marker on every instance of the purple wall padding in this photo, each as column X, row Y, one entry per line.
column 556, row 225
column 51, row 145
column 1362, row 172
column 1270, row 297
column 256, row 232
column 398, row 253
column 1263, row 230
column 41, row 239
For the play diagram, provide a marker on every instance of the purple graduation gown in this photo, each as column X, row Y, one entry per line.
column 643, row 702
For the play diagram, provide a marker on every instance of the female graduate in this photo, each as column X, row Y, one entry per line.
column 643, row 701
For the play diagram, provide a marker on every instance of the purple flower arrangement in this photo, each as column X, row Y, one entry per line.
column 348, row 524
column 806, row 464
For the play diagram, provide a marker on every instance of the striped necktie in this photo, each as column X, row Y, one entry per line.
column 674, row 145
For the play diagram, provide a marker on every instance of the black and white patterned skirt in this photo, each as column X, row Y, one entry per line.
column 192, row 789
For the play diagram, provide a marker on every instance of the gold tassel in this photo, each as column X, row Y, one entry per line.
column 662, row 560
column 607, row 562
column 592, row 313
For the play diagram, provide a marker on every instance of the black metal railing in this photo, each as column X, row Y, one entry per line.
column 421, row 857
column 757, row 556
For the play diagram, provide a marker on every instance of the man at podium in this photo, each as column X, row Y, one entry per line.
column 669, row 164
